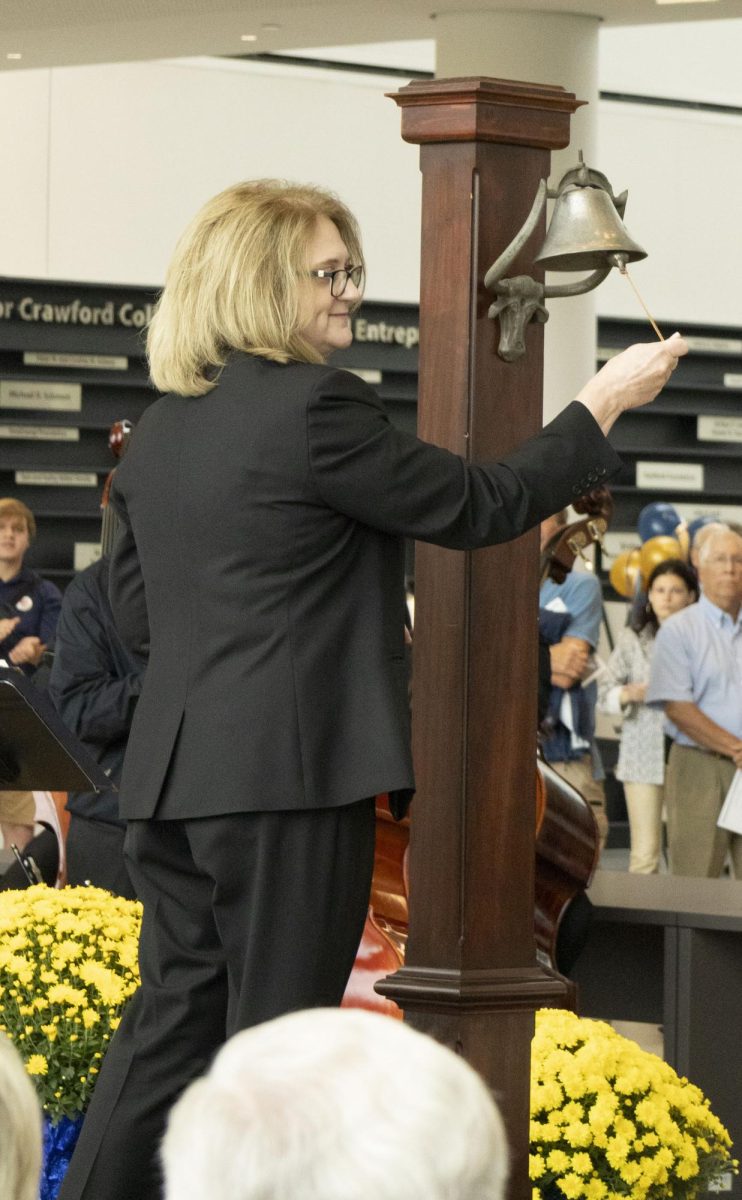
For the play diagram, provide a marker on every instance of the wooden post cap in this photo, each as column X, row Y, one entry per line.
column 487, row 110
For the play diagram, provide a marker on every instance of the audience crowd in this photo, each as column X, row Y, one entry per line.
column 337, row 1104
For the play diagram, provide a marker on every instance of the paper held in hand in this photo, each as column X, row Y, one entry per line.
column 730, row 816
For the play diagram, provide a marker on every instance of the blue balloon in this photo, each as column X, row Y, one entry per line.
column 657, row 520
column 699, row 523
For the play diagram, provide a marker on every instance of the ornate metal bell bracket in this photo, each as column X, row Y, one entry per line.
column 521, row 299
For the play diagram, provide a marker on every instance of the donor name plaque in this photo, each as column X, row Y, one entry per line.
column 714, row 345
column 40, row 433
column 719, row 429
column 51, row 397
column 682, row 477
column 57, row 478
column 86, row 553
column 92, row 362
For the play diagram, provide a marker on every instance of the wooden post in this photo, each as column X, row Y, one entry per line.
column 470, row 977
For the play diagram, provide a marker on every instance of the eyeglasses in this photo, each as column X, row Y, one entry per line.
column 339, row 279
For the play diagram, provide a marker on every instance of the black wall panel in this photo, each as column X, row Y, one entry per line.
column 92, row 337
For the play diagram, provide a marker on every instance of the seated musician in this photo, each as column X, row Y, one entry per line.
column 29, row 608
column 95, row 685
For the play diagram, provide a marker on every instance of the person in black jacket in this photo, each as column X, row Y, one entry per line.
column 29, row 610
column 95, row 685
column 29, row 605
column 264, row 503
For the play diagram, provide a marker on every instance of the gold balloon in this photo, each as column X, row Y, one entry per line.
column 656, row 550
column 683, row 536
column 625, row 571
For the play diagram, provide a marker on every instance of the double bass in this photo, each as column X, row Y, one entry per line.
column 382, row 947
column 567, row 842
column 567, row 839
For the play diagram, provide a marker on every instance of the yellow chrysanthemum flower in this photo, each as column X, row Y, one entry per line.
column 612, row 1122
column 557, row 1161
column 581, row 1163
column 572, row 1185
column 578, row 1134
column 59, row 1017
column 536, row 1166
column 631, row 1172
column 595, row 1189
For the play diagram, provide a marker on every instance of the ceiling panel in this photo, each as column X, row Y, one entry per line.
column 64, row 32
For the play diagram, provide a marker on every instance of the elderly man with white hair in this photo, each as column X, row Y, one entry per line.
column 20, row 1128
column 335, row 1104
column 697, row 677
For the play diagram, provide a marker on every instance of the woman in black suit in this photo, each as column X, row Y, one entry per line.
column 264, row 503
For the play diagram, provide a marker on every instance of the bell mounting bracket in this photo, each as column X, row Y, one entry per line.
column 521, row 298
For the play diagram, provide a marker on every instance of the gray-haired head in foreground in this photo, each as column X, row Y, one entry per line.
column 20, row 1128
column 335, row 1104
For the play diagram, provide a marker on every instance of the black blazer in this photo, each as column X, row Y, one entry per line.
column 262, row 559
column 94, row 684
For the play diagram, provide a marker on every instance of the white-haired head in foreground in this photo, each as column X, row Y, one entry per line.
column 335, row 1104
column 20, row 1128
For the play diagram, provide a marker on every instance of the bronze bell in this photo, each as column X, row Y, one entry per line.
column 586, row 230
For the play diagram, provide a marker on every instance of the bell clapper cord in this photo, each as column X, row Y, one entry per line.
column 622, row 265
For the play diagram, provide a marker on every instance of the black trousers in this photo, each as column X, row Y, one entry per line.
column 95, row 854
column 246, row 917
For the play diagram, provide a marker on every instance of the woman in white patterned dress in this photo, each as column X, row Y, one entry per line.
column 621, row 691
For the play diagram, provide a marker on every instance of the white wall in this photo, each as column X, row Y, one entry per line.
column 103, row 166
column 110, row 162
column 24, row 154
column 683, row 170
column 693, row 60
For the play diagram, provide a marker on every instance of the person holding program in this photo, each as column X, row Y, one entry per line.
column 622, row 691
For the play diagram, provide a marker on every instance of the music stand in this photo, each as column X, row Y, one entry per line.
column 37, row 751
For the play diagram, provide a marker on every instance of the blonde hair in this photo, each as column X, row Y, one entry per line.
column 10, row 507
column 234, row 282
column 335, row 1104
column 20, row 1128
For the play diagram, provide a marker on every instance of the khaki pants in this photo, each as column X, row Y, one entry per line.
column 695, row 786
column 644, row 804
column 17, row 808
column 579, row 772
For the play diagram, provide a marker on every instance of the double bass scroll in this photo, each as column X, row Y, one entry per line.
column 118, row 441
column 570, row 541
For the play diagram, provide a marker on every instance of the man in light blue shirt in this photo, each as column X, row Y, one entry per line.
column 697, row 677
column 570, row 615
